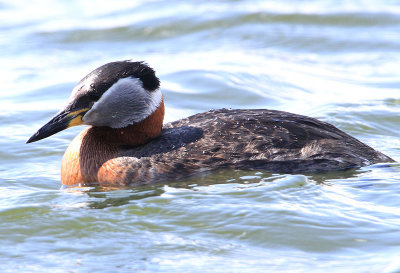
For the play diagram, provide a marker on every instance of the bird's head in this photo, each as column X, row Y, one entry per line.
column 115, row 95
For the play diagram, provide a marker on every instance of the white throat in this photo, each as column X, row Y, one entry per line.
column 126, row 102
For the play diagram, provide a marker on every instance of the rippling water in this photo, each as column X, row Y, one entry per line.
column 334, row 60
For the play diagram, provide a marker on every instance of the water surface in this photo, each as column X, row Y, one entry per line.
column 333, row 60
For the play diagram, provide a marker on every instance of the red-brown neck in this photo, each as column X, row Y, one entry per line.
column 96, row 145
column 137, row 134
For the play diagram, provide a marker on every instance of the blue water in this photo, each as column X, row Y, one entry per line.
column 334, row 60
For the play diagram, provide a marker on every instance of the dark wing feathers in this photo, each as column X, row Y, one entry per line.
column 274, row 141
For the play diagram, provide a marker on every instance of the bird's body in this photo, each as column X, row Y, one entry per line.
column 146, row 152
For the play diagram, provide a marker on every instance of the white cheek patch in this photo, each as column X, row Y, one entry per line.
column 126, row 102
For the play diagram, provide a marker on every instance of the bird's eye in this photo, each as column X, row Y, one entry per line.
column 94, row 96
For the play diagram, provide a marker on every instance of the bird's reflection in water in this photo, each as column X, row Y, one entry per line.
column 103, row 197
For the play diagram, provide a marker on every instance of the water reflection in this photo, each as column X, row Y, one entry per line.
column 104, row 197
column 229, row 181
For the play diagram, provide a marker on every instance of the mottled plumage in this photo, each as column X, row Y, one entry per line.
column 272, row 141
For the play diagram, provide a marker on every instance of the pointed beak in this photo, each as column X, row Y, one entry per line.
column 62, row 121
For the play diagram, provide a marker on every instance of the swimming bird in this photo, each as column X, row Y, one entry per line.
column 127, row 144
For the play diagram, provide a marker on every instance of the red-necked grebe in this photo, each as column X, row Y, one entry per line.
column 127, row 144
